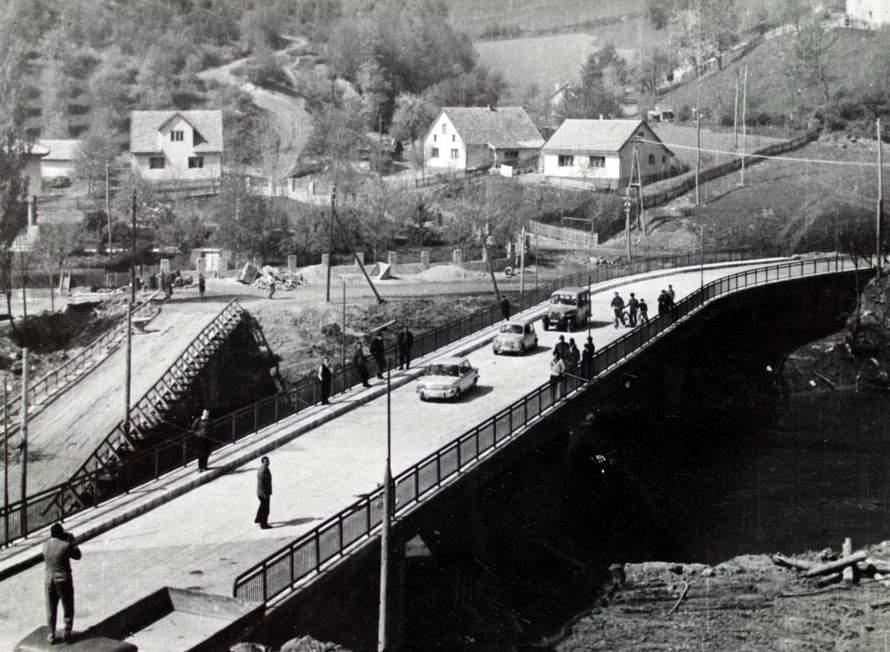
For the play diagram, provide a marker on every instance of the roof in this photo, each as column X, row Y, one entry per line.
column 499, row 127
column 144, row 127
column 61, row 150
column 594, row 135
column 450, row 360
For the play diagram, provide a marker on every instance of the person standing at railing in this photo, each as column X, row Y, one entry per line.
column 202, row 286
column 361, row 363
column 671, row 294
column 200, row 428
column 263, row 493
column 505, row 308
column 58, row 551
column 644, row 311
column 324, row 376
column 378, row 353
column 587, row 359
column 557, row 367
column 405, row 341
column 632, row 307
column 573, row 357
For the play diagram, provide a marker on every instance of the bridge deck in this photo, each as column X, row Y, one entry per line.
column 204, row 538
column 65, row 432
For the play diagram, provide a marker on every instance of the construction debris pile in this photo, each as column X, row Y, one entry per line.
column 264, row 277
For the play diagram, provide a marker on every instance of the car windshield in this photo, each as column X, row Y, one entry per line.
column 512, row 328
column 564, row 299
column 443, row 370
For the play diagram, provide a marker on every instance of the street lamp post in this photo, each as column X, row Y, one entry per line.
column 383, row 619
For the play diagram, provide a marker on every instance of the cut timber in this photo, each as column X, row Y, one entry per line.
column 847, row 550
column 788, row 562
column 835, row 566
column 881, row 566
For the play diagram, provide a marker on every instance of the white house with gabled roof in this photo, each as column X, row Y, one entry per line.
column 601, row 152
column 474, row 137
column 176, row 145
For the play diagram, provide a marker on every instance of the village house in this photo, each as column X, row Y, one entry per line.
column 61, row 161
column 601, row 152
column 869, row 13
column 176, row 145
column 473, row 138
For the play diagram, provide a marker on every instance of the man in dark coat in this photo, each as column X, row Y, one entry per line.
column 378, row 353
column 58, row 551
column 632, row 307
column 618, row 309
column 644, row 311
column 561, row 348
column 263, row 493
column 587, row 359
column 405, row 341
column 505, row 308
column 202, row 285
column 200, row 428
column 360, row 363
column 324, row 379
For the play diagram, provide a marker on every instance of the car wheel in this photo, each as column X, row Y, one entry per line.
column 521, row 349
column 423, row 397
column 457, row 394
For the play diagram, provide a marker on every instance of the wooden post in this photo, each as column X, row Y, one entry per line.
column 744, row 119
column 5, row 461
column 129, row 368
column 383, row 606
column 697, row 155
column 880, row 211
column 846, row 551
column 327, row 293
column 522, row 262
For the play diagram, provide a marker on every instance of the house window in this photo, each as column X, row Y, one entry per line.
column 596, row 161
column 155, row 162
column 434, row 152
column 196, row 162
column 663, row 159
column 455, row 154
column 453, row 138
column 176, row 135
column 434, row 137
column 566, row 160
column 444, row 128
column 510, row 154
column 651, row 159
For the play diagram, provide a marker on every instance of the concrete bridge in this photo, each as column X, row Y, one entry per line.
column 326, row 508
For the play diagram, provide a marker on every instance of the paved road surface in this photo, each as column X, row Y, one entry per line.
column 203, row 539
column 65, row 432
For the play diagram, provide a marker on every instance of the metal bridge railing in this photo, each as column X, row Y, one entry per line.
column 337, row 536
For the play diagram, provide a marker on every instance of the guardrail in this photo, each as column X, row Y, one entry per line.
column 115, row 466
column 340, row 534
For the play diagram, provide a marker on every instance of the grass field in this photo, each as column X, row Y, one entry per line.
column 475, row 16
column 682, row 140
column 770, row 90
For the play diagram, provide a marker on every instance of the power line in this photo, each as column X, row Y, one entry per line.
column 765, row 157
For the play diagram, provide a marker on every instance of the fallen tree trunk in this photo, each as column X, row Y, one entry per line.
column 835, row 566
column 788, row 562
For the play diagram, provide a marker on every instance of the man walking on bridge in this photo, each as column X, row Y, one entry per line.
column 405, row 341
column 618, row 309
column 378, row 354
column 263, row 493
column 58, row 551
column 324, row 379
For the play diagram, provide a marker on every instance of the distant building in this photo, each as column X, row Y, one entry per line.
column 33, row 167
column 61, row 161
column 471, row 138
column 601, row 151
column 176, row 145
column 871, row 13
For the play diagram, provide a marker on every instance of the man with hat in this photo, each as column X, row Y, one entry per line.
column 58, row 551
column 202, row 439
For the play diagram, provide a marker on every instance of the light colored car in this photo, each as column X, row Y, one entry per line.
column 447, row 378
column 515, row 337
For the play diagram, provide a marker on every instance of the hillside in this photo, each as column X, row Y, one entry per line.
column 772, row 98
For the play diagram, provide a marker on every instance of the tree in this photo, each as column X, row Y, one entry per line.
column 807, row 60
column 478, row 87
column 337, row 133
column 55, row 244
column 600, row 89
column 13, row 62
column 13, row 205
column 412, row 117
column 706, row 28
column 249, row 224
column 658, row 12
column 95, row 151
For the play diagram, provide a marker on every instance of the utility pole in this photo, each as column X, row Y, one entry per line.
column 744, row 119
column 627, row 221
column 343, row 339
column 107, row 208
column 383, row 606
column 327, row 292
column 522, row 262
column 536, row 261
column 5, row 460
column 133, row 251
column 880, row 213
column 735, row 113
column 697, row 155
column 24, row 428
column 129, row 368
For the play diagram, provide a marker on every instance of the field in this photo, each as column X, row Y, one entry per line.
column 682, row 140
column 770, row 90
column 474, row 17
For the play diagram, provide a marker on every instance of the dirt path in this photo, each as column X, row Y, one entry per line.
column 287, row 114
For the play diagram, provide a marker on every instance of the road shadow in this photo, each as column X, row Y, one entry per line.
column 600, row 324
column 476, row 393
column 293, row 521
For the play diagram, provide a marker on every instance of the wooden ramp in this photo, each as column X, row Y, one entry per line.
column 67, row 432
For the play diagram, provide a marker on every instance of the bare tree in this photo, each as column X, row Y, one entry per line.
column 808, row 57
column 55, row 244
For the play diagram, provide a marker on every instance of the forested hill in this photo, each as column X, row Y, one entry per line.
column 76, row 68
